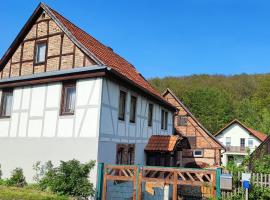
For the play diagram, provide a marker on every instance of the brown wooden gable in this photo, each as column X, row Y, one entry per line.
column 193, row 128
column 61, row 52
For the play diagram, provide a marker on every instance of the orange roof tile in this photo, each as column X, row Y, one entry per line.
column 106, row 55
column 162, row 143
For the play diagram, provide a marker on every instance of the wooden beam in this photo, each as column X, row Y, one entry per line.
column 41, row 37
column 175, row 177
column 61, row 50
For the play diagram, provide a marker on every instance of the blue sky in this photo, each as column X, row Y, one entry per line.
column 165, row 38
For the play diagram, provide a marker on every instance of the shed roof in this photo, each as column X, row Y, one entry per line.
column 162, row 143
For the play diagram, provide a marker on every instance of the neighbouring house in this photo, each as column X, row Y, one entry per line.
column 239, row 140
column 262, row 150
column 199, row 148
column 64, row 95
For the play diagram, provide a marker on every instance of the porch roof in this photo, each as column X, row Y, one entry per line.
column 162, row 143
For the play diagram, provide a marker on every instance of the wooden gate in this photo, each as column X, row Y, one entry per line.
column 136, row 180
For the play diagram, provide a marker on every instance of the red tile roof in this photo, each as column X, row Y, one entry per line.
column 106, row 55
column 261, row 136
column 164, row 143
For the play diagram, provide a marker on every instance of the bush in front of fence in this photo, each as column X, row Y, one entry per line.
column 256, row 192
column 70, row 178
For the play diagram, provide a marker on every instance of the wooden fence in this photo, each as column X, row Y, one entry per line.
column 139, row 178
column 262, row 180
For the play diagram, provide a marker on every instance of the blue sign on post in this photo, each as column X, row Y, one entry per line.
column 246, row 184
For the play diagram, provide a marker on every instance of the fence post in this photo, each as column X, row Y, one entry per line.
column 218, row 191
column 175, row 185
column 139, row 183
column 99, row 181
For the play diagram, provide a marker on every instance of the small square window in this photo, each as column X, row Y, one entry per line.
column 198, row 153
column 68, row 99
column 40, row 51
column 182, row 120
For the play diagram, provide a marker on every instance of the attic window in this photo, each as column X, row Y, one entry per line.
column 43, row 15
column 40, row 52
column 182, row 120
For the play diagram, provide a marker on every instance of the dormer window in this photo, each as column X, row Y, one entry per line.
column 40, row 54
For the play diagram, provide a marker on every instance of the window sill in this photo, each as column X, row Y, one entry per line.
column 5, row 117
column 66, row 114
column 39, row 63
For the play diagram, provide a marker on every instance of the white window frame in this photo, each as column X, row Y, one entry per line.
column 251, row 139
column 230, row 141
column 198, row 156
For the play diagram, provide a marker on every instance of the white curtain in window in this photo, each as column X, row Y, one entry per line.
column 41, row 51
column 7, row 104
column 70, row 99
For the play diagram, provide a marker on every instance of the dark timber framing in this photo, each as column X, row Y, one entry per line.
column 110, row 73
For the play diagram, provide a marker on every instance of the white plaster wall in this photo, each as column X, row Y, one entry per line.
column 36, row 131
column 235, row 131
column 113, row 131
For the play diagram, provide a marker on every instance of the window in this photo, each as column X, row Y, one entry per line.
column 40, row 52
column 228, row 141
column 150, row 114
column 120, row 156
column 133, row 103
column 6, row 103
column 122, row 105
column 131, row 155
column 242, row 142
column 125, row 154
column 250, row 142
column 164, row 120
column 182, row 120
column 198, row 153
column 68, row 98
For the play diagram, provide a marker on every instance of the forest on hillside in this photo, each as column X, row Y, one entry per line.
column 215, row 100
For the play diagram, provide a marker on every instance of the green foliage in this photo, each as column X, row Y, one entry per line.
column 70, row 178
column 17, row 178
column 255, row 193
column 15, row 193
column 262, row 165
column 1, row 173
column 216, row 100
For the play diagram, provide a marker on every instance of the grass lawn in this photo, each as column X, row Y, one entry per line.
column 27, row 193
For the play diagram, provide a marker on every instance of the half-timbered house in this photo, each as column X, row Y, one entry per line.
column 65, row 95
column 199, row 148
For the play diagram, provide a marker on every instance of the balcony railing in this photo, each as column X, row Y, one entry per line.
column 237, row 149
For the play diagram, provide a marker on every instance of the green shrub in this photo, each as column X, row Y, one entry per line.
column 70, row 178
column 17, row 178
column 262, row 164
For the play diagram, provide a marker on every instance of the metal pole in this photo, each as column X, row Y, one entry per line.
column 246, row 194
